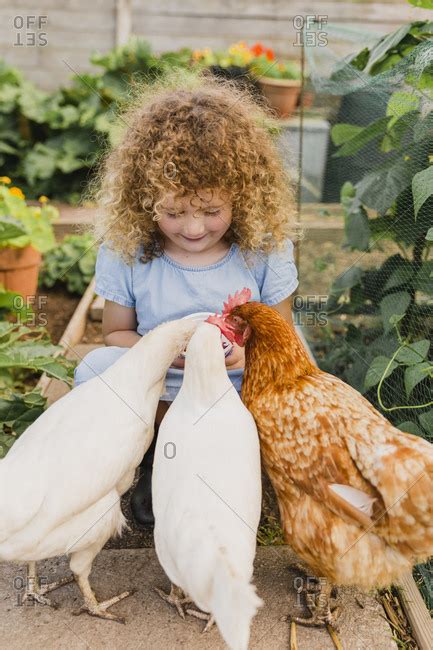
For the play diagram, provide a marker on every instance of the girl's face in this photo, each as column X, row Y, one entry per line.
column 195, row 223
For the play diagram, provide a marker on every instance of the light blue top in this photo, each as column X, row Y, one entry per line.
column 163, row 289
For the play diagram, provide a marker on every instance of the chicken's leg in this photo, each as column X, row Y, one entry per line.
column 93, row 607
column 36, row 591
column 176, row 597
column 204, row 617
column 319, row 604
column 81, row 564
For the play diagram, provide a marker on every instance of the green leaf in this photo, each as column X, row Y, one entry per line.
column 378, row 190
column 341, row 133
column 423, row 130
column 413, row 353
column 10, row 230
column 413, row 375
column 394, row 304
column 26, row 419
column 357, row 229
column 376, row 371
column 422, row 188
column 385, row 44
column 429, row 235
column 422, row 4
column 424, row 278
column 410, row 427
column 362, row 137
column 401, row 275
column 426, row 420
column 399, row 104
column 39, row 163
column 348, row 279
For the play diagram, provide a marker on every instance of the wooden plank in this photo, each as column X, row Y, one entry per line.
column 416, row 612
column 72, row 334
column 123, row 21
column 338, row 11
column 56, row 388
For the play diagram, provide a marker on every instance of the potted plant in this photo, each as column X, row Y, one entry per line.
column 25, row 233
column 280, row 81
column 229, row 64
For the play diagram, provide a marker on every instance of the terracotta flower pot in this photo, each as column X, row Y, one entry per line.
column 282, row 94
column 19, row 269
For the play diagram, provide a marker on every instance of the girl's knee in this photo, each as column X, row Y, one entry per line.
column 95, row 362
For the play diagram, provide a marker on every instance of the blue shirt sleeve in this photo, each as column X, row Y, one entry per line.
column 276, row 275
column 113, row 278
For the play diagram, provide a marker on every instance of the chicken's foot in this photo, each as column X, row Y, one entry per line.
column 91, row 605
column 36, row 591
column 318, row 598
column 204, row 617
column 176, row 597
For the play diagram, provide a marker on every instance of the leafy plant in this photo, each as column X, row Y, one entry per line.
column 24, row 348
column 51, row 142
column 22, row 224
column 261, row 67
column 257, row 59
column 388, row 357
column 17, row 412
column 25, row 353
column 72, row 262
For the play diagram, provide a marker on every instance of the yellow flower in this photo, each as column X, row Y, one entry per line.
column 43, row 199
column 5, row 179
column 406, row 157
column 15, row 191
column 430, row 158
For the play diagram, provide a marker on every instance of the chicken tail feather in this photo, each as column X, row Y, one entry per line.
column 234, row 604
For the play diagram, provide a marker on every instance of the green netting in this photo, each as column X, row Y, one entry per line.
column 378, row 96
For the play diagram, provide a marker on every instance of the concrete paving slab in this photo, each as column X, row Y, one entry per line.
column 153, row 624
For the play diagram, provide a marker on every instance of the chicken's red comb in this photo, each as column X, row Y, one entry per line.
column 220, row 322
column 215, row 319
column 240, row 298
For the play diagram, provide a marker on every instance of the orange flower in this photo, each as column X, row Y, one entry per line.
column 5, row 179
column 15, row 191
column 269, row 54
column 257, row 49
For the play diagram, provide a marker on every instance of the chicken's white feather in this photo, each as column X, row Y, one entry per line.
column 60, row 484
column 364, row 502
column 207, row 491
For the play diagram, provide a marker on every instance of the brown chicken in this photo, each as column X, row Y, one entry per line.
column 355, row 493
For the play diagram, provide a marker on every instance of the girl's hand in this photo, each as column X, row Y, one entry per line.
column 235, row 360
column 179, row 362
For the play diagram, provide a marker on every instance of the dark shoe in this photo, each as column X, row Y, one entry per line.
column 141, row 497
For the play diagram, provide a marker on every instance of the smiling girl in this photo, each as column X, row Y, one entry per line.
column 195, row 205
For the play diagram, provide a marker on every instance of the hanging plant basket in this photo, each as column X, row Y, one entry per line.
column 282, row 94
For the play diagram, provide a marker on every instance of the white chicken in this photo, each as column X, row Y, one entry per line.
column 61, row 483
column 206, row 489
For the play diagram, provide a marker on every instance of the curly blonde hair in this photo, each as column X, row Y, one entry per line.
column 185, row 133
